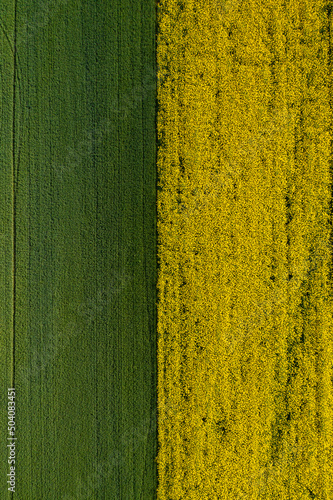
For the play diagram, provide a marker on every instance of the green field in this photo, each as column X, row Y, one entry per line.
column 78, row 247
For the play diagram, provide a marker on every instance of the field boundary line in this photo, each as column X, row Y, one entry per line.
column 14, row 195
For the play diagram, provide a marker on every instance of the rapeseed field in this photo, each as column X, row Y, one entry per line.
column 244, row 247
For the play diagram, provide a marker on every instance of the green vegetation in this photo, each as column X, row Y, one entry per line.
column 6, row 226
column 85, row 261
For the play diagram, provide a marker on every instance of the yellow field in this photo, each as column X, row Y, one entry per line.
column 244, row 220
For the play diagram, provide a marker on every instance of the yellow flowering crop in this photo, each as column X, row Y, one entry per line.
column 244, row 222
